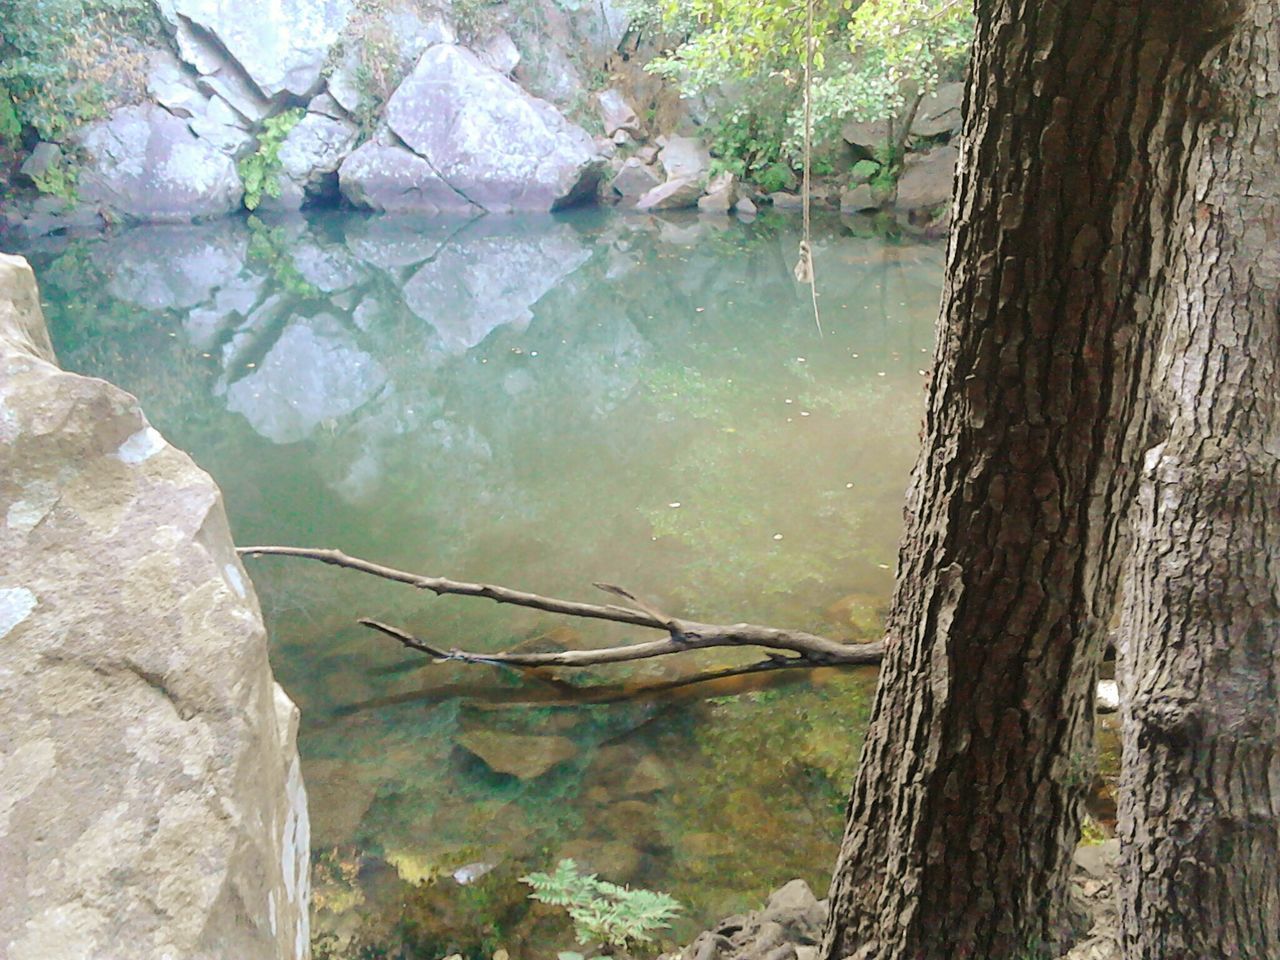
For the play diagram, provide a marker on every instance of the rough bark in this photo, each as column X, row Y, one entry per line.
column 1200, row 635
column 966, row 806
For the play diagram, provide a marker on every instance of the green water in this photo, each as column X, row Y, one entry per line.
column 540, row 403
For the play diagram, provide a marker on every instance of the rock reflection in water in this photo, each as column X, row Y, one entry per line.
column 542, row 402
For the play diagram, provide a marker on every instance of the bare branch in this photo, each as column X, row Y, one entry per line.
column 811, row 650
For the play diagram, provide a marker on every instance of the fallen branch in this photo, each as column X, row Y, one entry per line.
column 809, row 650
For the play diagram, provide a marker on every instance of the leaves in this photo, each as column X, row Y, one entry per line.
column 260, row 170
column 601, row 910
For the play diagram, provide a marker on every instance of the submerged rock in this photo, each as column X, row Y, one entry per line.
column 143, row 163
column 495, row 144
column 153, row 801
column 521, row 756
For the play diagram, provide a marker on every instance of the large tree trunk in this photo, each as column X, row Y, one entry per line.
column 1200, row 637
column 966, row 805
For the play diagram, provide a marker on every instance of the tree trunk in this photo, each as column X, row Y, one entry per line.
column 965, row 809
column 1200, row 637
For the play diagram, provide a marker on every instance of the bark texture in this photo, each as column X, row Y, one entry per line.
column 965, row 809
column 1200, row 638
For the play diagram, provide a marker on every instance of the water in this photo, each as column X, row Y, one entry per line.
column 539, row 403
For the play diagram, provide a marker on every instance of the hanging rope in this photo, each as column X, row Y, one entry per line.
column 804, row 266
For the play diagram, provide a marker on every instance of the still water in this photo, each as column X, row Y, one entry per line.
column 541, row 403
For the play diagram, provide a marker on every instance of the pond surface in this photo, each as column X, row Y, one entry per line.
column 540, row 403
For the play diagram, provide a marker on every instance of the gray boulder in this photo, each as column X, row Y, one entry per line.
column 927, row 180
column 496, row 145
column 685, row 158
column 143, row 163
column 672, row 195
column 498, row 52
column 616, row 113
column 395, row 180
column 721, row 195
column 858, row 199
column 151, row 799
column 939, row 113
column 635, row 179
column 281, row 45
column 310, row 157
column 222, row 127
column 867, row 136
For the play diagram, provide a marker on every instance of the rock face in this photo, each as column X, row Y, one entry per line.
column 309, row 158
column 940, row 112
column 281, row 47
column 496, row 145
column 151, row 800
column 927, row 181
column 395, row 180
column 145, row 164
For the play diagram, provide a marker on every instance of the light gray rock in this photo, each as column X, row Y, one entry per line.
column 672, row 195
column 496, row 145
column 939, row 112
column 314, row 373
column 493, row 279
column 927, row 180
column 616, row 113
column 721, row 195
column 281, row 45
column 391, row 243
column 858, row 199
column 233, row 86
column 309, row 157
column 867, row 135
column 396, row 180
column 170, row 85
column 222, row 127
column 151, row 799
column 635, row 179
column 547, row 70
column 343, row 82
column 498, row 51
column 326, row 106
column 685, row 158
column 143, row 163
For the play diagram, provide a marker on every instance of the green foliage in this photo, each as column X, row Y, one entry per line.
column 64, row 62
column 870, row 61
column 260, row 170
column 58, row 180
column 603, row 911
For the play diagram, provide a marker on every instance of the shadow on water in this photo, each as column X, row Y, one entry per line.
column 543, row 403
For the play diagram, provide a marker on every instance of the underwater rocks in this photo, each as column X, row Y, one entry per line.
column 152, row 792
column 523, row 757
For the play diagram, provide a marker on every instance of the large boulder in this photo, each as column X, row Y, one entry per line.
column 927, row 180
column 495, row 144
column 940, row 112
column 685, row 158
column 143, row 163
column 151, row 799
column 281, row 45
column 672, row 195
column 391, row 179
column 634, row 179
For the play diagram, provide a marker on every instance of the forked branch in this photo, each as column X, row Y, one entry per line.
column 805, row 649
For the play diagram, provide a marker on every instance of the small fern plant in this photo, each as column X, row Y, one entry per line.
column 601, row 911
column 260, row 170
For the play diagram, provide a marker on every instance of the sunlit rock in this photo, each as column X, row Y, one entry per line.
column 391, row 179
column 492, row 142
column 281, row 44
column 927, row 180
column 143, row 163
column 489, row 278
column 313, row 374
column 521, row 756
column 151, row 800
column 939, row 112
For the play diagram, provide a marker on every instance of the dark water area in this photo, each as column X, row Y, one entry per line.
column 541, row 403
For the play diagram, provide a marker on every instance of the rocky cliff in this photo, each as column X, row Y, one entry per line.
column 151, row 800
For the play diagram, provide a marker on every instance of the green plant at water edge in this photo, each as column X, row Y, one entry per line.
column 58, row 180
column 270, row 246
column 603, row 911
column 260, row 170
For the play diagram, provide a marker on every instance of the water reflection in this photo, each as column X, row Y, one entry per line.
column 541, row 403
